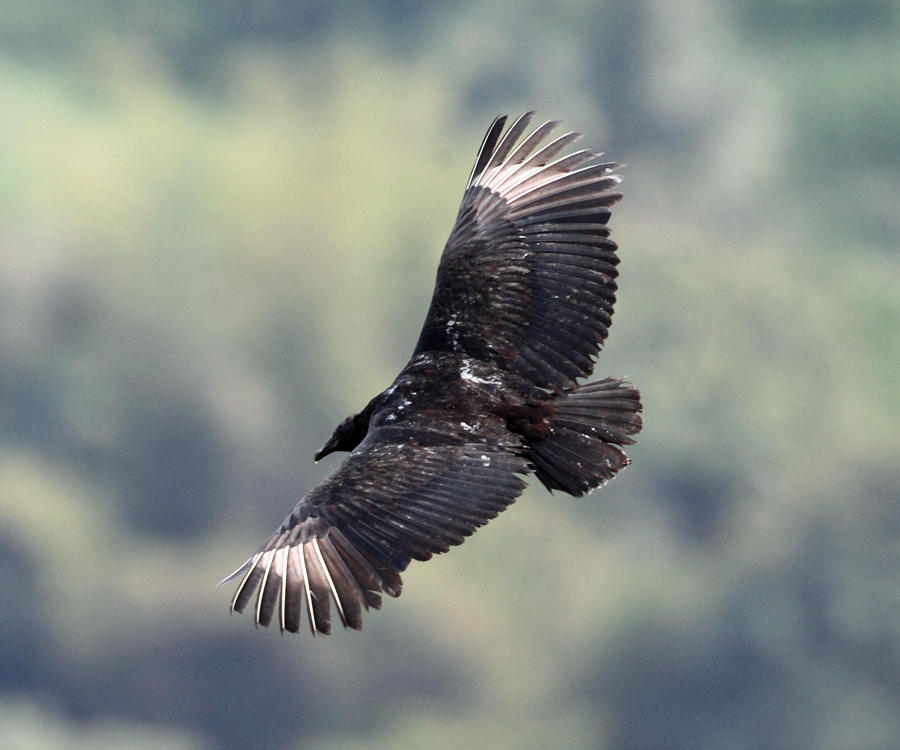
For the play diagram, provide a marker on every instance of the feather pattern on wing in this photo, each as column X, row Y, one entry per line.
column 527, row 279
column 405, row 493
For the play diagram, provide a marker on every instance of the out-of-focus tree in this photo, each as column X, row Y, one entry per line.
column 219, row 225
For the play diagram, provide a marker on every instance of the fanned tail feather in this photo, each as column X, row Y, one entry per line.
column 587, row 429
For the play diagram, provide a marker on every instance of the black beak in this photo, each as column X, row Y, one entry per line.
column 329, row 447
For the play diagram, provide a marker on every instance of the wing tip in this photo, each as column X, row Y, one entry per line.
column 325, row 567
column 234, row 576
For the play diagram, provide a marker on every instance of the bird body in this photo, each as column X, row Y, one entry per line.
column 523, row 300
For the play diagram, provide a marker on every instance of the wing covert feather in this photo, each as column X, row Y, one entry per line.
column 396, row 498
column 528, row 257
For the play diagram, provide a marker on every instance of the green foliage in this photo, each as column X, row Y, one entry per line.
column 219, row 226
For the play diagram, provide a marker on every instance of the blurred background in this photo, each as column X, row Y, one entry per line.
column 219, row 227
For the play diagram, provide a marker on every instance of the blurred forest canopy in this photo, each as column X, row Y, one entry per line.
column 219, row 226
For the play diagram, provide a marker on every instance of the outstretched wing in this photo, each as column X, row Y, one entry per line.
column 527, row 278
column 404, row 493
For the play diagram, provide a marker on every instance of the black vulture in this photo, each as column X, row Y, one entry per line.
column 522, row 303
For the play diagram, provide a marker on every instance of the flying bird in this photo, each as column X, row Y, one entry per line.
column 522, row 303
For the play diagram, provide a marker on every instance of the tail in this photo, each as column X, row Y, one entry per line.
column 590, row 423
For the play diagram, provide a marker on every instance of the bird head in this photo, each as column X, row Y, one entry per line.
column 343, row 439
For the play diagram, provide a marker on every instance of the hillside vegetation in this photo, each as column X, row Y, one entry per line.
column 219, row 227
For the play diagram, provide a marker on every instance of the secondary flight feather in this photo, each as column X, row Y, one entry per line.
column 522, row 304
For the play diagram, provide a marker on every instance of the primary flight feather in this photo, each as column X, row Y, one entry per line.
column 522, row 303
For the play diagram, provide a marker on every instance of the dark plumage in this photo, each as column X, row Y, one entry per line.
column 523, row 300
